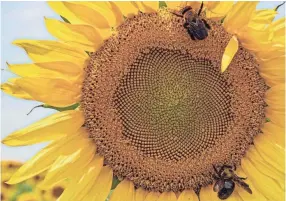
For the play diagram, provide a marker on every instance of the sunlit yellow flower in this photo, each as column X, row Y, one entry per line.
column 142, row 102
column 7, row 169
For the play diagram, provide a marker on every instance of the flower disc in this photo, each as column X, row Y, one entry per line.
column 159, row 109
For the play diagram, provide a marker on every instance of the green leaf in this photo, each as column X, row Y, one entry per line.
column 65, row 19
column 115, row 182
column 71, row 107
column 162, row 4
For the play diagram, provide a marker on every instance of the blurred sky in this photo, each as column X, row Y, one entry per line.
column 25, row 20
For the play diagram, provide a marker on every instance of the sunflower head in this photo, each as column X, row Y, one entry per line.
column 158, row 100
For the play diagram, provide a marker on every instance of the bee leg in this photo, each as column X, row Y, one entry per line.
column 206, row 24
column 243, row 178
column 215, row 177
column 185, row 9
column 191, row 34
column 177, row 14
column 186, row 25
column 216, row 171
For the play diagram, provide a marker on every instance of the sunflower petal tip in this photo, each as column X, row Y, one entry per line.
column 13, row 180
column 229, row 53
column 5, row 140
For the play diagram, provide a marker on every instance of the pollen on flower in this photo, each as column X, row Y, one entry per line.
column 159, row 109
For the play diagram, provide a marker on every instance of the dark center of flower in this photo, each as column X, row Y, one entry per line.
column 159, row 109
column 173, row 106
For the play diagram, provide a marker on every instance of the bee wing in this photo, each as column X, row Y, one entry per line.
column 199, row 30
column 218, row 185
column 244, row 185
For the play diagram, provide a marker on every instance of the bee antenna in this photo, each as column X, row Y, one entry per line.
column 201, row 8
column 279, row 6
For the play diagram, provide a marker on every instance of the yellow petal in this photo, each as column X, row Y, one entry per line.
column 274, row 132
column 234, row 197
column 272, row 153
column 275, row 97
column 267, row 186
column 278, row 30
column 30, row 196
column 229, row 53
column 69, row 71
column 211, row 4
column 35, row 70
column 47, row 51
column 31, row 70
column 101, row 188
column 207, row 193
column 188, row 195
column 148, row 6
column 88, row 15
column 273, row 52
column 264, row 167
column 261, row 18
column 77, row 190
column 50, row 128
column 255, row 196
column 255, row 40
column 124, row 191
column 275, row 63
column 55, row 92
column 65, row 166
column 117, row 12
column 102, row 8
column 152, row 196
column 176, row 5
column 127, row 8
column 45, row 158
column 140, row 194
column 62, row 10
column 239, row 16
column 14, row 90
column 273, row 70
column 167, row 196
column 220, row 10
column 276, row 117
column 83, row 36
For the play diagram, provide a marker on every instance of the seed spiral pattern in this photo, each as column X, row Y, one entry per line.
column 160, row 111
column 173, row 106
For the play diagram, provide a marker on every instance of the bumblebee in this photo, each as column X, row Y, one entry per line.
column 196, row 27
column 226, row 180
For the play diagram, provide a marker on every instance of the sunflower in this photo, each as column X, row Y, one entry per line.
column 7, row 169
column 148, row 111
column 29, row 189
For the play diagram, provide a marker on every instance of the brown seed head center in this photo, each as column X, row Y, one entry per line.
column 159, row 109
